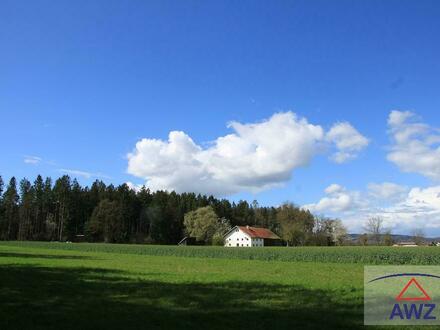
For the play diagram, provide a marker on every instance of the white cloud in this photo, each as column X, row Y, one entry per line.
column 387, row 191
column 254, row 157
column 347, row 140
column 83, row 174
column 397, row 118
column 334, row 188
column 337, row 199
column 419, row 209
column 416, row 145
column 402, row 209
column 134, row 186
column 34, row 160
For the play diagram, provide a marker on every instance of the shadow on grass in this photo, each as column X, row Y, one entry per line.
column 86, row 298
column 43, row 256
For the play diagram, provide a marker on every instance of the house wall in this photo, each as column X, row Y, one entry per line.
column 242, row 239
column 257, row 242
column 238, row 237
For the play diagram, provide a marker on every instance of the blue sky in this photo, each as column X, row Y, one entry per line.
column 82, row 81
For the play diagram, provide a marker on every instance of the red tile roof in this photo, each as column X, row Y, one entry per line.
column 258, row 232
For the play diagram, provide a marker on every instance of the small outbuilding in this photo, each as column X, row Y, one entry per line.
column 246, row 236
column 406, row 244
column 79, row 238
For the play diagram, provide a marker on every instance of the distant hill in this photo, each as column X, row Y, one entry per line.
column 397, row 238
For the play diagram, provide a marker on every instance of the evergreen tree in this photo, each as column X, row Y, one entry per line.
column 143, row 221
column 66, row 209
column 2, row 220
column 130, row 210
column 158, row 230
column 48, row 227
column 38, row 203
column 77, row 212
column 10, row 210
column 106, row 223
column 25, row 210
column 1, row 187
column 63, row 210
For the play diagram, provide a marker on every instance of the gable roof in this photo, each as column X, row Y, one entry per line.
column 256, row 232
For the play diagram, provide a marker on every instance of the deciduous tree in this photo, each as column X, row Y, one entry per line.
column 296, row 224
column 419, row 236
column 201, row 223
column 374, row 228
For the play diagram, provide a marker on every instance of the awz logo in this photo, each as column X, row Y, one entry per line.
column 402, row 295
column 412, row 306
column 413, row 311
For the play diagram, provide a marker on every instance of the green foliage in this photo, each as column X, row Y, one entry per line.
column 10, row 221
column 201, row 223
column 25, row 211
column 205, row 226
column 223, row 227
column 2, row 219
column 1, row 187
column 63, row 212
column 106, row 221
column 296, row 224
column 218, row 239
column 158, row 228
column 363, row 239
column 388, row 239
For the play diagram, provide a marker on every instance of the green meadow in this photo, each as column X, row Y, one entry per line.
column 109, row 286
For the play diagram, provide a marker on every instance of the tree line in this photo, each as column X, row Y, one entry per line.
column 376, row 234
column 64, row 210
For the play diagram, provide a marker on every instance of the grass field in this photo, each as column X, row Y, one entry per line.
column 101, row 286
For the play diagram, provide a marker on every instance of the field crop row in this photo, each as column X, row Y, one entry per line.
column 352, row 254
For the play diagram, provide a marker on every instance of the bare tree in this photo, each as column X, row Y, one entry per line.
column 419, row 236
column 374, row 228
column 388, row 238
column 363, row 239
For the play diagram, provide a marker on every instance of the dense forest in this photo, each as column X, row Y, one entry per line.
column 64, row 210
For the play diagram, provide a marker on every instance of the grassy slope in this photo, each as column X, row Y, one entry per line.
column 46, row 288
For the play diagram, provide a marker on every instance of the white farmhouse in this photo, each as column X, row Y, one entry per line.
column 245, row 236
